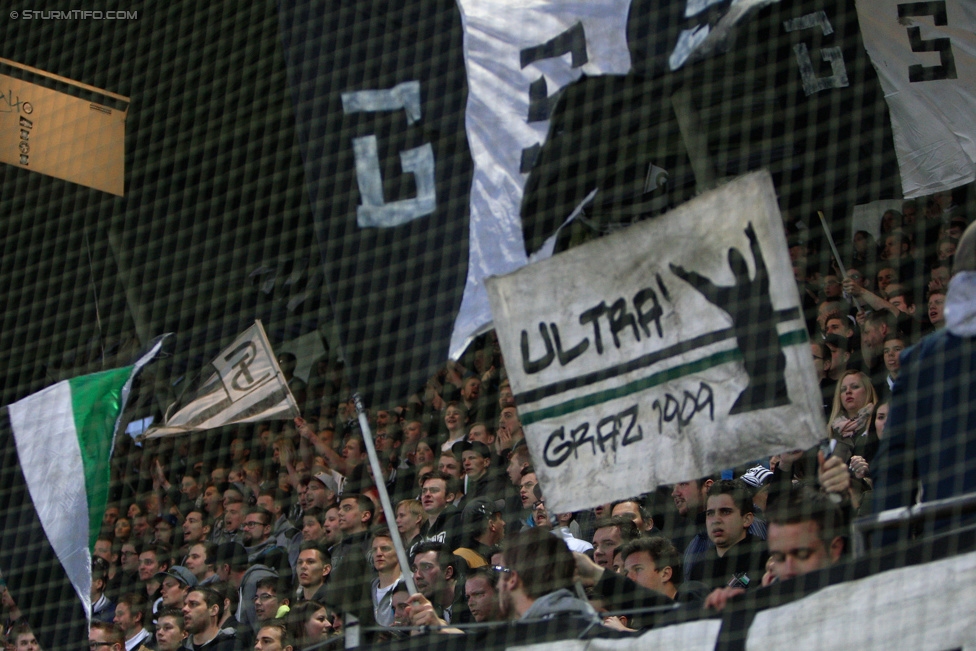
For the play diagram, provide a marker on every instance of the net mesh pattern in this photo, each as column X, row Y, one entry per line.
column 241, row 201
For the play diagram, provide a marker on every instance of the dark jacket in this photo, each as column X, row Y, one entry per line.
column 742, row 566
column 223, row 641
column 347, row 587
column 929, row 437
column 620, row 593
column 445, row 528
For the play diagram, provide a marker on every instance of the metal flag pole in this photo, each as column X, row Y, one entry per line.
column 374, row 462
column 833, row 248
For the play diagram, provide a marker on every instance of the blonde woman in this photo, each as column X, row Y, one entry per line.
column 850, row 416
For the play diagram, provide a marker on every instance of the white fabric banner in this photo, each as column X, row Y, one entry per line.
column 925, row 608
column 519, row 54
column 925, row 55
column 245, row 386
column 661, row 353
column 692, row 636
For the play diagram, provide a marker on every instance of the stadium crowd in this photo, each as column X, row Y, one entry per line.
column 271, row 536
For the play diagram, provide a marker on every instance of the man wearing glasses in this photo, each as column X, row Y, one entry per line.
column 104, row 637
column 269, row 599
column 129, row 568
column 261, row 547
column 536, row 580
column 436, row 578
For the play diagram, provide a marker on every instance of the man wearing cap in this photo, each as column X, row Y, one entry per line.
column 482, row 529
column 176, row 582
column 322, row 490
column 929, row 437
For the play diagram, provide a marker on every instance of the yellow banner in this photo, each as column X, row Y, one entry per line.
column 61, row 135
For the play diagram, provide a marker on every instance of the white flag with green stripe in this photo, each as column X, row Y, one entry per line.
column 662, row 353
column 64, row 436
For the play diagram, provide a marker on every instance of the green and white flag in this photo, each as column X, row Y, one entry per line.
column 57, row 444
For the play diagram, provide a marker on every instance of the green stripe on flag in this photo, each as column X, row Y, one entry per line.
column 96, row 400
column 786, row 339
column 794, row 337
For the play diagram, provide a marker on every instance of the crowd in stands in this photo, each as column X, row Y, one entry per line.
column 270, row 535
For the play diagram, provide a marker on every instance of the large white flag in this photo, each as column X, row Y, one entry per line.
column 519, row 55
column 662, row 353
column 925, row 55
column 244, row 386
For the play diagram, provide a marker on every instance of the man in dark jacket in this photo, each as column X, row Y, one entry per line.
column 929, row 435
